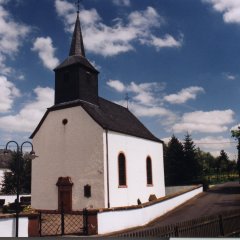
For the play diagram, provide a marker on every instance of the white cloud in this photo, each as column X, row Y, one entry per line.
column 167, row 41
column 230, row 76
column 145, row 101
column 206, row 122
column 211, row 143
column 184, row 95
column 125, row 3
column 229, row 8
column 44, row 48
column 3, row 68
column 30, row 115
column 105, row 40
column 214, row 145
column 116, row 85
column 144, row 93
column 141, row 110
column 8, row 92
column 12, row 34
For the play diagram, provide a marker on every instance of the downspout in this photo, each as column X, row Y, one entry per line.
column 108, row 195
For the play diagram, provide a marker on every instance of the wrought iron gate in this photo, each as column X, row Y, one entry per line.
column 53, row 223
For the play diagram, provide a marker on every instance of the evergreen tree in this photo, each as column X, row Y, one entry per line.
column 222, row 162
column 10, row 178
column 173, row 162
column 191, row 166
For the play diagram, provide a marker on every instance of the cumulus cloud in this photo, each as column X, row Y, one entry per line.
column 145, row 100
column 211, row 143
column 125, row 3
column 30, row 115
column 107, row 40
column 8, row 92
column 12, row 35
column 205, row 122
column 167, row 41
column 184, row 95
column 144, row 93
column 117, row 85
column 141, row 110
column 229, row 8
column 214, row 144
column 44, row 48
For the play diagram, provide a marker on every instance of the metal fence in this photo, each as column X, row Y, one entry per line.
column 225, row 224
column 53, row 223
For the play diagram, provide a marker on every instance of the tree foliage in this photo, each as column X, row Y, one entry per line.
column 236, row 135
column 173, row 162
column 186, row 164
column 10, row 178
column 191, row 165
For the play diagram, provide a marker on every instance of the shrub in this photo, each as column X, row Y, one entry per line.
column 2, row 201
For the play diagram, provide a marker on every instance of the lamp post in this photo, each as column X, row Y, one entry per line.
column 19, row 154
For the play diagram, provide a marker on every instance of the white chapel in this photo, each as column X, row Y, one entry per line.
column 92, row 152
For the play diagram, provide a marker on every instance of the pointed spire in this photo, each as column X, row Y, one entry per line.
column 77, row 46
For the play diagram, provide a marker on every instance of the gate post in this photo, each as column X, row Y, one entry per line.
column 40, row 230
column 62, row 219
column 85, row 221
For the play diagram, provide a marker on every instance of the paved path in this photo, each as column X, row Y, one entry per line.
column 223, row 197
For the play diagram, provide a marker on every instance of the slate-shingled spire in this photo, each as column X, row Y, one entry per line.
column 77, row 46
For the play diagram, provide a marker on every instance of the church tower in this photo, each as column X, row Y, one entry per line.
column 75, row 77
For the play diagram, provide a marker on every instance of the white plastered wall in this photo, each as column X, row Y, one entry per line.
column 136, row 151
column 74, row 150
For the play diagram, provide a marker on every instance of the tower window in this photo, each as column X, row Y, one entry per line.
column 122, row 170
column 149, row 171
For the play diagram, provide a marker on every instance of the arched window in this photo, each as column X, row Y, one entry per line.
column 122, row 170
column 149, row 171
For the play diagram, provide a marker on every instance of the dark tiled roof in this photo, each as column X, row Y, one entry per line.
column 71, row 60
column 109, row 116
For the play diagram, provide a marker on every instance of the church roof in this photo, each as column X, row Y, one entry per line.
column 109, row 116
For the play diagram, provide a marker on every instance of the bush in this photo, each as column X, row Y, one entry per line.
column 11, row 208
column 29, row 209
column 25, row 200
column 2, row 201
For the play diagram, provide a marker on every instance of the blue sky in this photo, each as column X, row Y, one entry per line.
column 178, row 60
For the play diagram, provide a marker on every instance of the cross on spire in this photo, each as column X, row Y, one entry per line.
column 77, row 3
column 127, row 98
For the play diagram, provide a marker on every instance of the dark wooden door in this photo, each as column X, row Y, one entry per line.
column 65, row 200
